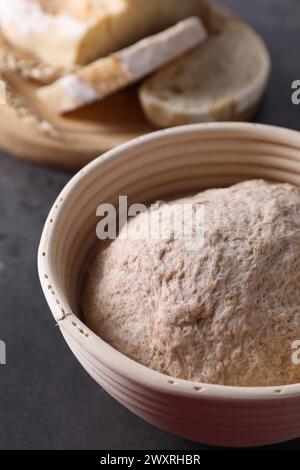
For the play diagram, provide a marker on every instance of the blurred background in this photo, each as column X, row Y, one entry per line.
column 47, row 401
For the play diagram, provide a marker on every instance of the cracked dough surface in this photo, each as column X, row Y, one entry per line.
column 227, row 313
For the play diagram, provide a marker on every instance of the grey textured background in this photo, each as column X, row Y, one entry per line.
column 47, row 401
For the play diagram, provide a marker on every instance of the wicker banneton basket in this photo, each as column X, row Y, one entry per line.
column 152, row 167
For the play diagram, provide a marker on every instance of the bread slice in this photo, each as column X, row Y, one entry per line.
column 222, row 79
column 70, row 32
column 105, row 76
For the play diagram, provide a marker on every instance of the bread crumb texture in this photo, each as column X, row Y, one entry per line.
column 220, row 80
column 227, row 313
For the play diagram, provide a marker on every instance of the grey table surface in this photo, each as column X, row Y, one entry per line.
column 47, row 401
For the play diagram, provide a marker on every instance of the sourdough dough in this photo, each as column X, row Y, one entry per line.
column 227, row 313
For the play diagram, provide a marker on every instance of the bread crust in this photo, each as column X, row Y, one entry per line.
column 69, row 33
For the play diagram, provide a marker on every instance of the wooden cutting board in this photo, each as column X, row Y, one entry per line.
column 80, row 136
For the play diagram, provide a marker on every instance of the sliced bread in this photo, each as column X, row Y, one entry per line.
column 107, row 75
column 222, row 79
column 69, row 32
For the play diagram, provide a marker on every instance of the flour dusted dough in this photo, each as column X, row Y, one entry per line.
column 72, row 32
column 225, row 314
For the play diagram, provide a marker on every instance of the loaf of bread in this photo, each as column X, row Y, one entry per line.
column 64, row 33
column 223, row 79
column 105, row 76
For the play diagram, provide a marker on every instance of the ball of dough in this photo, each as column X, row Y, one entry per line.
column 225, row 313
